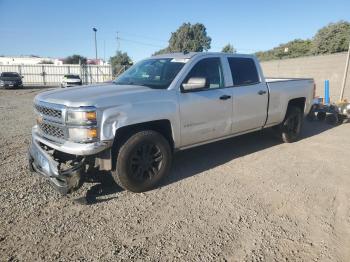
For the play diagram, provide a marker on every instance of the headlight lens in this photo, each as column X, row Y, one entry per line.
column 82, row 135
column 82, row 116
column 82, row 124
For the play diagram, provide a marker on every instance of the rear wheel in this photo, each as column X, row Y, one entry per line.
column 143, row 160
column 321, row 116
column 332, row 119
column 289, row 130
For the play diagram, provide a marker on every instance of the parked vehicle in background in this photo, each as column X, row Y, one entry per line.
column 166, row 103
column 10, row 79
column 71, row 80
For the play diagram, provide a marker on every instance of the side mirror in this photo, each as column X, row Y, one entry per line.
column 194, row 83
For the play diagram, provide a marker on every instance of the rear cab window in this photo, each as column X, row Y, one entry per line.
column 243, row 71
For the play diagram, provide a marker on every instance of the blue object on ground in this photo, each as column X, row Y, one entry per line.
column 326, row 92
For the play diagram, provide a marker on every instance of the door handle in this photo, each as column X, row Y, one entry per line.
column 262, row 92
column 225, row 97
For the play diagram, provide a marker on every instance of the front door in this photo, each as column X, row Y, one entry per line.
column 206, row 114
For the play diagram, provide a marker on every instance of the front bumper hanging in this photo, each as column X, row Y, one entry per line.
column 64, row 180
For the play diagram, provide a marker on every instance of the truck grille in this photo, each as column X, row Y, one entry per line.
column 51, row 120
column 51, row 112
column 52, row 130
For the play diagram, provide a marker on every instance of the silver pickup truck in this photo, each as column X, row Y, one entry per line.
column 163, row 104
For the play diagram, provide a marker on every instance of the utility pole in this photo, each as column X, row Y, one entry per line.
column 118, row 41
column 345, row 74
column 104, row 50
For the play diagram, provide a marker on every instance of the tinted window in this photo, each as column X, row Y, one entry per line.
column 72, row 76
column 210, row 69
column 243, row 71
column 9, row 74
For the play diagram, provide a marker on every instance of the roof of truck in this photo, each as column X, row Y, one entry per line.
column 184, row 55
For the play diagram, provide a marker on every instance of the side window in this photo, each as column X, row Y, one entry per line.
column 243, row 71
column 211, row 70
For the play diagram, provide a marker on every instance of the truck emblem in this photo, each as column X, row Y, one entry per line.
column 39, row 120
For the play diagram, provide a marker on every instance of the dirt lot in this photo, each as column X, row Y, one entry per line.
column 249, row 198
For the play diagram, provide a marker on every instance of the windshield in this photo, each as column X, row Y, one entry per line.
column 72, row 76
column 9, row 74
column 153, row 73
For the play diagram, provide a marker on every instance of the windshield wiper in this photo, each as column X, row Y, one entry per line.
column 130, row 83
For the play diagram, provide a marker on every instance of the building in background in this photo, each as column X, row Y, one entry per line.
column 28, row 60
column 37, row 60
column 96, row 62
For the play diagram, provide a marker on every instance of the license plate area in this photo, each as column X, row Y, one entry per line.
column 42, row 162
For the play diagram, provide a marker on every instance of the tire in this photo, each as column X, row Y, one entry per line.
column 143, row 159
column 311, row 116
column 289, row 130
column 341, row 119
column 321, row 116
column 332, row 119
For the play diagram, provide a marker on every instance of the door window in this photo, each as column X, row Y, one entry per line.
column 243, row 71
column 211, row 70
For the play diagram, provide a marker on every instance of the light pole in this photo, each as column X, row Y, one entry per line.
column 95, row 30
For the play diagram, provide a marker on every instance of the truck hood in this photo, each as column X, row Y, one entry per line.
column 92, row 95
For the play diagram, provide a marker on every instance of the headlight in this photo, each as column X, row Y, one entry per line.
column 81, row 122
column 82, row 134
column 82, row 116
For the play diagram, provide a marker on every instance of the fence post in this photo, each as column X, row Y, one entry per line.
column 345, row 75
column 44, row 75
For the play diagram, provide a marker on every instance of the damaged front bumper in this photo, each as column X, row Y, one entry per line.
column 63, row 179
column 65, row 164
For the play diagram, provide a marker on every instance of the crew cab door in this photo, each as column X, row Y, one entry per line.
column 205, row 113
column 250, row 95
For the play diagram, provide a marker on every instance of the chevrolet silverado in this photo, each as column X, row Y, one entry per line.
column 132, row 126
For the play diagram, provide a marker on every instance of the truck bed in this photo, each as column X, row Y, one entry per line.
column 281, row 79
column 285, row 89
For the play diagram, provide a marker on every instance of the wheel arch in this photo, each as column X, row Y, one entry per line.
column 162, row 126
column 296, row 102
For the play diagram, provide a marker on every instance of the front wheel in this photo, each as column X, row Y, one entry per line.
column 143, row 160
column 289, row 130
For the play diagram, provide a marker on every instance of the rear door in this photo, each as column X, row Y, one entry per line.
column 250, row 95
column 206, row 114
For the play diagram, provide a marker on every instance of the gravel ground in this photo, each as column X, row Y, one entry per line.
column 250, row 198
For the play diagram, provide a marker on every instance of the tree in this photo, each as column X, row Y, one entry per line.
column 332, row 38
column 188, row 37
column 75, row 59
column 119, row 60
column 294, row 48
column 228, row 49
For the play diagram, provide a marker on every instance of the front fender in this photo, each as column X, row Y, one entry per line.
column 130, row 114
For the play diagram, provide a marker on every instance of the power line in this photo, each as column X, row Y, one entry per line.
column 144, row 37
column 138, row 42
column 163, row 41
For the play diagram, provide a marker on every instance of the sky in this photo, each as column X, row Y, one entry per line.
column 58, row 28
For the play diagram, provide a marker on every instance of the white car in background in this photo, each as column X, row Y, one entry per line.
column 71, row 80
